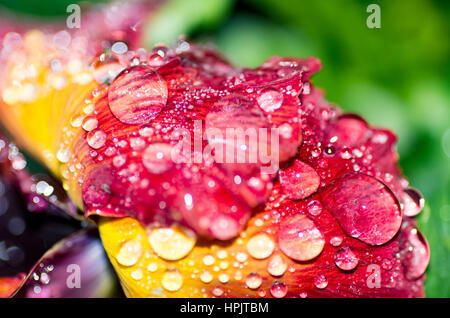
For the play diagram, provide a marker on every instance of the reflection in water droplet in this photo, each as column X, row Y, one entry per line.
column 253, row 281
column 172, row 280
column 413, row 202
column 129, row 253
column 217, row 291
column 172, row 243
column 137, row 95
column 96, row 138
column 260, row 246
column 346, row 258
column 270, row 100
column 299, row 238
column 276, row 265
column 278, row 289
column 320, row 281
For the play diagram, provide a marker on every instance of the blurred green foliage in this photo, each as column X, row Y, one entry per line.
column 396, row 76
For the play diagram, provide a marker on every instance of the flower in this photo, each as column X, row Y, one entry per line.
column 206, row 180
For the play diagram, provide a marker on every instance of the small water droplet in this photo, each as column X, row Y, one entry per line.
column 276, row 266
column 346, row 258
column 129, row 253
column 278, row 289
column 96, row 138
column 172, row 280
column 253, row 281
column 260, row 246
column 320, row 281
column 270, row 100
column 413, row 202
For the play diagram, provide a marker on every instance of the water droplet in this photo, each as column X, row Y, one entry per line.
column 217, row 291
column 346, row 258
column 278, row 289
column 172, row 243
column 96, row 138
column 276, row 265
column 224, row 278
column 414, row 252
column 365, row 208
column 413, row 202
column 314, row 207
column 270, row 100
column 129, row 253
column 63, row 155
column 260, row 246
column 172, row 280
column 386, row 264
column 90, row 123
column 206, row 277
column 320, row 281
column 336, row 240
column 119, row 48
column 208, row 260
column 137, row 274
column 299, row 238
column 253, row 281
column 157, row 158
column 137, row 95
column 299, row 181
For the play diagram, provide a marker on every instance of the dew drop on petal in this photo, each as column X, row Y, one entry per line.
column 320, row 281
column 172, row 280
column 299, row 238
column 314, row 207
column 276, row 266
column 157, row 158
column 270, row 100
column 253, row 281
column 217, row 291
column 346, row 258
column 336, row 240
column 172, row 243
column 260, row 246
column 299, row 181
column 137, row 95
column 413, row 202
column 129, row 253
column 365, row 208
column 90, row 123
column 278, row 289
column 96, row 138
column 414, row 252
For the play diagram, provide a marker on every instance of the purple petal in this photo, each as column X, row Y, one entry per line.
column 76, row 267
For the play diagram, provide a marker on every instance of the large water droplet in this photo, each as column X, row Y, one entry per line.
column 299, row 238
column 137, row 95
column 346, row 258
column 365, row 208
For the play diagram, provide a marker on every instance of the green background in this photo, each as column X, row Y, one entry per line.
column 396, row 76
